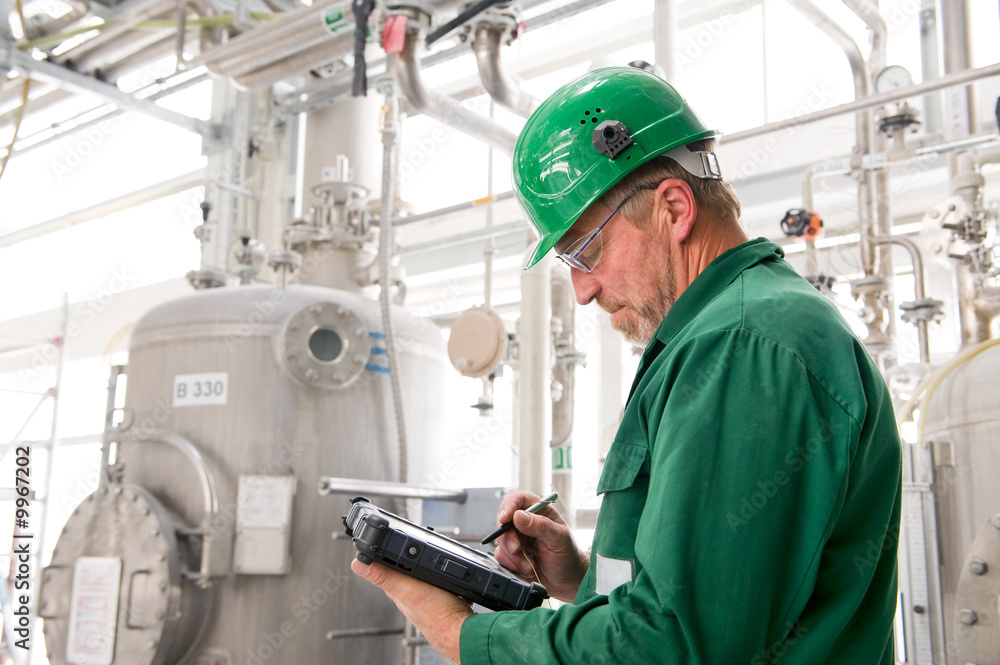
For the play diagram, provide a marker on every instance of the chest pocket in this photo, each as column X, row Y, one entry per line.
column 622, row 467
column 624, row 483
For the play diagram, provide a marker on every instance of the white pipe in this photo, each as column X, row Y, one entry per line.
column 563, row 409
column 665, row 29
column 534, row 363
column 963, row 77
column 869, row 13
column 297, row 63
column 256, row 47
column 152, row 193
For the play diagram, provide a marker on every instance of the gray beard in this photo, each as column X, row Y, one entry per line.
column 651, row 312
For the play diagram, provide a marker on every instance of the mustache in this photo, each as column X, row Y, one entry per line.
column 610, row 305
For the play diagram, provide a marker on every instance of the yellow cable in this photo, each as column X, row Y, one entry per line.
column 17, row 124
column 929, row 385
column 115, row 340
column 533, row 570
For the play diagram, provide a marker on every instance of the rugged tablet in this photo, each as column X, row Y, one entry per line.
column 387, row 538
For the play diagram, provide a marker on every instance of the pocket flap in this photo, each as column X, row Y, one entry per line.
column 622, row 466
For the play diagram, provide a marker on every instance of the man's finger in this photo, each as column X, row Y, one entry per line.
column 538, row 527
column 516, row 500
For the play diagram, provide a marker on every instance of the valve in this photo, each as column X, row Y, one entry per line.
column 799, row 222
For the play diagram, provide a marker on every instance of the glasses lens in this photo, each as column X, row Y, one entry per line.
column 585, row 252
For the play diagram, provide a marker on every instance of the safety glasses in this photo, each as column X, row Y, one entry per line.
column 585, row 253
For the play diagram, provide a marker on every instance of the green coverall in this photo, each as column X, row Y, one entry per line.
column 751, row 495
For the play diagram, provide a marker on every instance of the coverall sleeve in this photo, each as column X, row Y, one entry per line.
column 747, row 469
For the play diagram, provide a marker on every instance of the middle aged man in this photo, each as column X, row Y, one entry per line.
column 752, row 493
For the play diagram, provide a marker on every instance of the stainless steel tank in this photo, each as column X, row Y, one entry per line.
column 238, row 400
column 962, row 428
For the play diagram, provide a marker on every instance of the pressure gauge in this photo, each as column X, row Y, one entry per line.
column 892, row 78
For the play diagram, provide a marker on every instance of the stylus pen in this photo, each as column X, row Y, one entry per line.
column 534, row 508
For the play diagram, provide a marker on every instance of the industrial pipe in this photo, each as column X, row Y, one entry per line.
column 867, row 197
column 919, row 286
column 498, row 83
column 948, row 80
column 111, row 33
column 405, row 68
column 563, row 404
column 297, row 63
column 458, row 207
column 280, row 38
column 957, row 46
column 190, row 451
column 333, row 485
column 869, row 13
column 534, row 344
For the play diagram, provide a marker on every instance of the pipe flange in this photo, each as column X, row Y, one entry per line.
column 284, row 259
column 967, row 180
column 924, row 309
column 870, row 284
column 206, row 279
column 325, row 345
column 506, row 20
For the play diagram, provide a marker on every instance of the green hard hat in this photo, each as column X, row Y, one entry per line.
column 589, row 135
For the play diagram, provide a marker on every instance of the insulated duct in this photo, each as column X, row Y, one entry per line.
column 498, row 83
column 405, row 68
column 301, row 36
column 111, row 33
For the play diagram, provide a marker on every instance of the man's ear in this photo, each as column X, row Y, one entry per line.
column 674, row 209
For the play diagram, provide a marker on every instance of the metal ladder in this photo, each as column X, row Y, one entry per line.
column 32, row 530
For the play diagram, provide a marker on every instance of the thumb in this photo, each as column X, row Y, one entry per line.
column 375, row 573
column 534, row 526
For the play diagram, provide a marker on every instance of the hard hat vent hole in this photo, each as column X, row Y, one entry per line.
column 583, row 122
column 586, row 112
column 598, row 111
column 593, row 119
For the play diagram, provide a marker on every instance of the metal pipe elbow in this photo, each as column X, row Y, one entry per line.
column 498, row 83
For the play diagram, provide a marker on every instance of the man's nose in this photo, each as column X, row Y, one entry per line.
column 585, row 286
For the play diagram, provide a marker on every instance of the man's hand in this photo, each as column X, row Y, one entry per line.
column 436, row 613
column 546, row 539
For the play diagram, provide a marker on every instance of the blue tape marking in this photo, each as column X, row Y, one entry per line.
column 377, row 368
column 376, row 335
column 379, row 351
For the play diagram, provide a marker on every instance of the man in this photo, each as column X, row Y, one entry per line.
column 752, row 493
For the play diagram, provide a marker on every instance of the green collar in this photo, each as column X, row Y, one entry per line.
column 719, row 274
